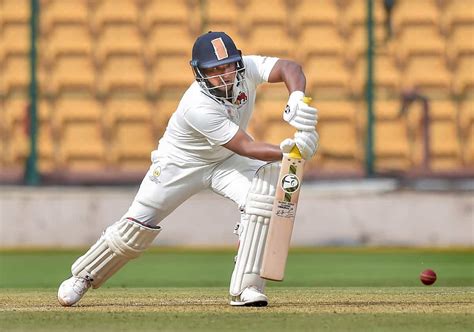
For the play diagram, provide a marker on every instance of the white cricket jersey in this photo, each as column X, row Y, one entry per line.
column 201, row 125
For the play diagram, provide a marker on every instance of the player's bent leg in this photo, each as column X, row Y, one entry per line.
column 247, row 287
column 124, row 240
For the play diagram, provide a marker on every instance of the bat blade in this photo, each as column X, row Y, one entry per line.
column 283, row 215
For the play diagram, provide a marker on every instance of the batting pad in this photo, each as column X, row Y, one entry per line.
column 121, row 242
column 253, row 230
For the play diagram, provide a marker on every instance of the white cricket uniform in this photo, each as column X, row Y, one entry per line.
column 190, row 156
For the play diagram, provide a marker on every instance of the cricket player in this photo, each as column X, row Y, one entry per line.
column 205, row 146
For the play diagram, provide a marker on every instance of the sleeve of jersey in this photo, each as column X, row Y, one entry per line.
column 258, row 68
column 212, row 124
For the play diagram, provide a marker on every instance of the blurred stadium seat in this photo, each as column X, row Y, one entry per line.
column 420, row 40
column 15, row 11
column 256, row 12
column 15, row 76
column 16, row 40
column 78, row 126
column 316, row 40
column 392, row 146
column 171, row 72
column 386, row 78
column 67, row 39
column 168, row 40
column 463, row 79
column 355, row 13
column 445, row 152
column 68, row 12
column 315, row 12
column 458, row 12
column 118, row 40
column 71, row 73
column 131, row 145
column 327, row 73
column 460, row 42
column 270, row 40
column 408, row 12
column 429, row 73
column 466, row 127
column 180, row 12
column 116, row 12
column 122, row 73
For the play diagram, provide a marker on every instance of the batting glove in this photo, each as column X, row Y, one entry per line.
column 298, row 114
column 307, row 143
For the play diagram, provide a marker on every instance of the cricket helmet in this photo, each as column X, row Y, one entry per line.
column 214, row 49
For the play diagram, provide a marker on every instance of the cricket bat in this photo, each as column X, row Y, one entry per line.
column 283, row 215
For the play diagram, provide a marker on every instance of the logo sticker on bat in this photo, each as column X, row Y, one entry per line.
column 290, row 183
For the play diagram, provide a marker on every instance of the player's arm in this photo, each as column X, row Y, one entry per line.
column 289, row 72
column 244, row 145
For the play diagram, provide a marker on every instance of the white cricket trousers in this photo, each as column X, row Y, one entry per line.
column 170, row 181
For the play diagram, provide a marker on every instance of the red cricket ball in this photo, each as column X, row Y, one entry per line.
column 428, row 277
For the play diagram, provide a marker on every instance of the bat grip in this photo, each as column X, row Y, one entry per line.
column 295, row 152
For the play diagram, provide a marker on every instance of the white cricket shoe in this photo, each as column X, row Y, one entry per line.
column 250, row 297
column 72, row 290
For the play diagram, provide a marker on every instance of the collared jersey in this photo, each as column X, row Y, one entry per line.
column 201, row 124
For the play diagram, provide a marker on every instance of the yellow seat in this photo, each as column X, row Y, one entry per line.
column 218, row 11
column 168, row 40
column 463, row 79
column 386, row 75
column 16, row 75
column 16, row 40
column 392, row 149
column 78, row 127
column 408, row 12
column 429, row 73
column 68, row 12
column 339, row 140
column 17, row 11
column 445, row 149
column 326, row 72
column 315, row 40
column 81, row 147
column 163, row 110
column 466, row 130
column 355, row 13
column 458, row 12
column 171, row 72
column 257, row 12
column 460, row 43
column 420, row 40
column 118, row 40
column 68, row 39
column 114, row 12
column 181, row 12
column 277, row 131
column 356, row 46
column 71, row 73
column 337, row 110
column 131, row 145
column 315, row 12
column 270, row 41
column 122, row 73
column 127, row 109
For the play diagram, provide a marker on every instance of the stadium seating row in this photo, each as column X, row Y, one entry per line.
column 246, row 13
column 84, row 134
column 324, row 73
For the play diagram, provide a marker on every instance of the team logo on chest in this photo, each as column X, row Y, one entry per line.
column 241, row 99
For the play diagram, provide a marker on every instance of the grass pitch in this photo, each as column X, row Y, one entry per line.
column 180, row 290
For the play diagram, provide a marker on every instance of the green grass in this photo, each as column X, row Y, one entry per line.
column 185, row 290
